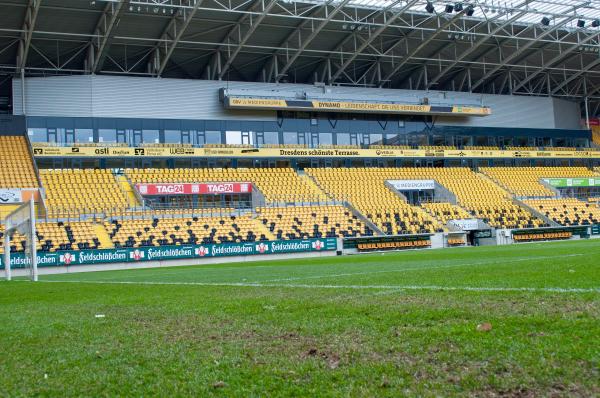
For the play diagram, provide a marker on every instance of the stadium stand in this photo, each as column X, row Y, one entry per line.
column 276, row 184
column 483, row 198
column 17, row 170
column 179, row 231
column 365, row 189
column 81, row 191
column 525, row 181
column 568, row 211
column 312, row 222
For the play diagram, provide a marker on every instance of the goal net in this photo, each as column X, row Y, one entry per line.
column 21, row 223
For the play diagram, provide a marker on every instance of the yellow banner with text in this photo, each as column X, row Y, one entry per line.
column 173, row 152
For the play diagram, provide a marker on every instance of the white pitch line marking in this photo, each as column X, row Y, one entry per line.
column 351, row 287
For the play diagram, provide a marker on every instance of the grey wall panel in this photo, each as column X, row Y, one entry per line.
column 566, row 114
column 140, row 97
column 511, row 111
column 56, row 96
column 127, row 97
column 163, row 99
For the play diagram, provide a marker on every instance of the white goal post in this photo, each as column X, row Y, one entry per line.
column 22, row 220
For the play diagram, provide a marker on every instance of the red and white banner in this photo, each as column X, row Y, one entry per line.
column 593, row 122
column 214, row 188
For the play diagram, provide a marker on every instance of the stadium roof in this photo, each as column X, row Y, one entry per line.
column 527, row 47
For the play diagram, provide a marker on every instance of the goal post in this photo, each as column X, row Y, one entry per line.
column 22, row 220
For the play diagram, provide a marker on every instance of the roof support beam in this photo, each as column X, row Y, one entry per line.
column 554, row 60
column 230, row 33
column 171, row 36
column 473, row 48
column 104, row 33
column 575, row 76
column 243, row 39
column 518, row 52
column 373, row 36
column 421, row 46
column 304, row 44
column 284, row 44
column 31, row 13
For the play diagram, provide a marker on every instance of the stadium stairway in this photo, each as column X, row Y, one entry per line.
column 310, row 181
column 102, row 235
column 127, row 188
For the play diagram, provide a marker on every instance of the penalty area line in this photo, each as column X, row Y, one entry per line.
column 341, row 287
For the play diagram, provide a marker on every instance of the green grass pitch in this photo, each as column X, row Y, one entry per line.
column 398, row 324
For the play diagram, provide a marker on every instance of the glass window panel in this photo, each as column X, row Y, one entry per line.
column 84, row 135
column 107, row 135
column 376, row 139
column 212, row 137
column 290, row 138
column 37, row 134
column 233, row 137
column 150, row 136
column 343, row 138
column 173, row 136
column 325, row 139
column 271, row 137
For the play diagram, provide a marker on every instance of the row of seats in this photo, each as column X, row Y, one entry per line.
column 521, row 148
column 180, row 231
column 312, row 222
column 17, row 169
column 82, row 191
column 568, row 211
column 81, row 144
column 407, row 244
column 445, row 212
column 456, row 242
column 53, row 236
column 542, row 236
column 525, row 181
column 481, row 148
column 276, row 184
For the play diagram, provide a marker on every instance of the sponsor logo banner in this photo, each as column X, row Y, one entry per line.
column 84, row 257
column 352, row 106
column 573, row 182
column 412, row 185
column 10, row 196
column 109, row 152
column 194, row 189
column 466, row 225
